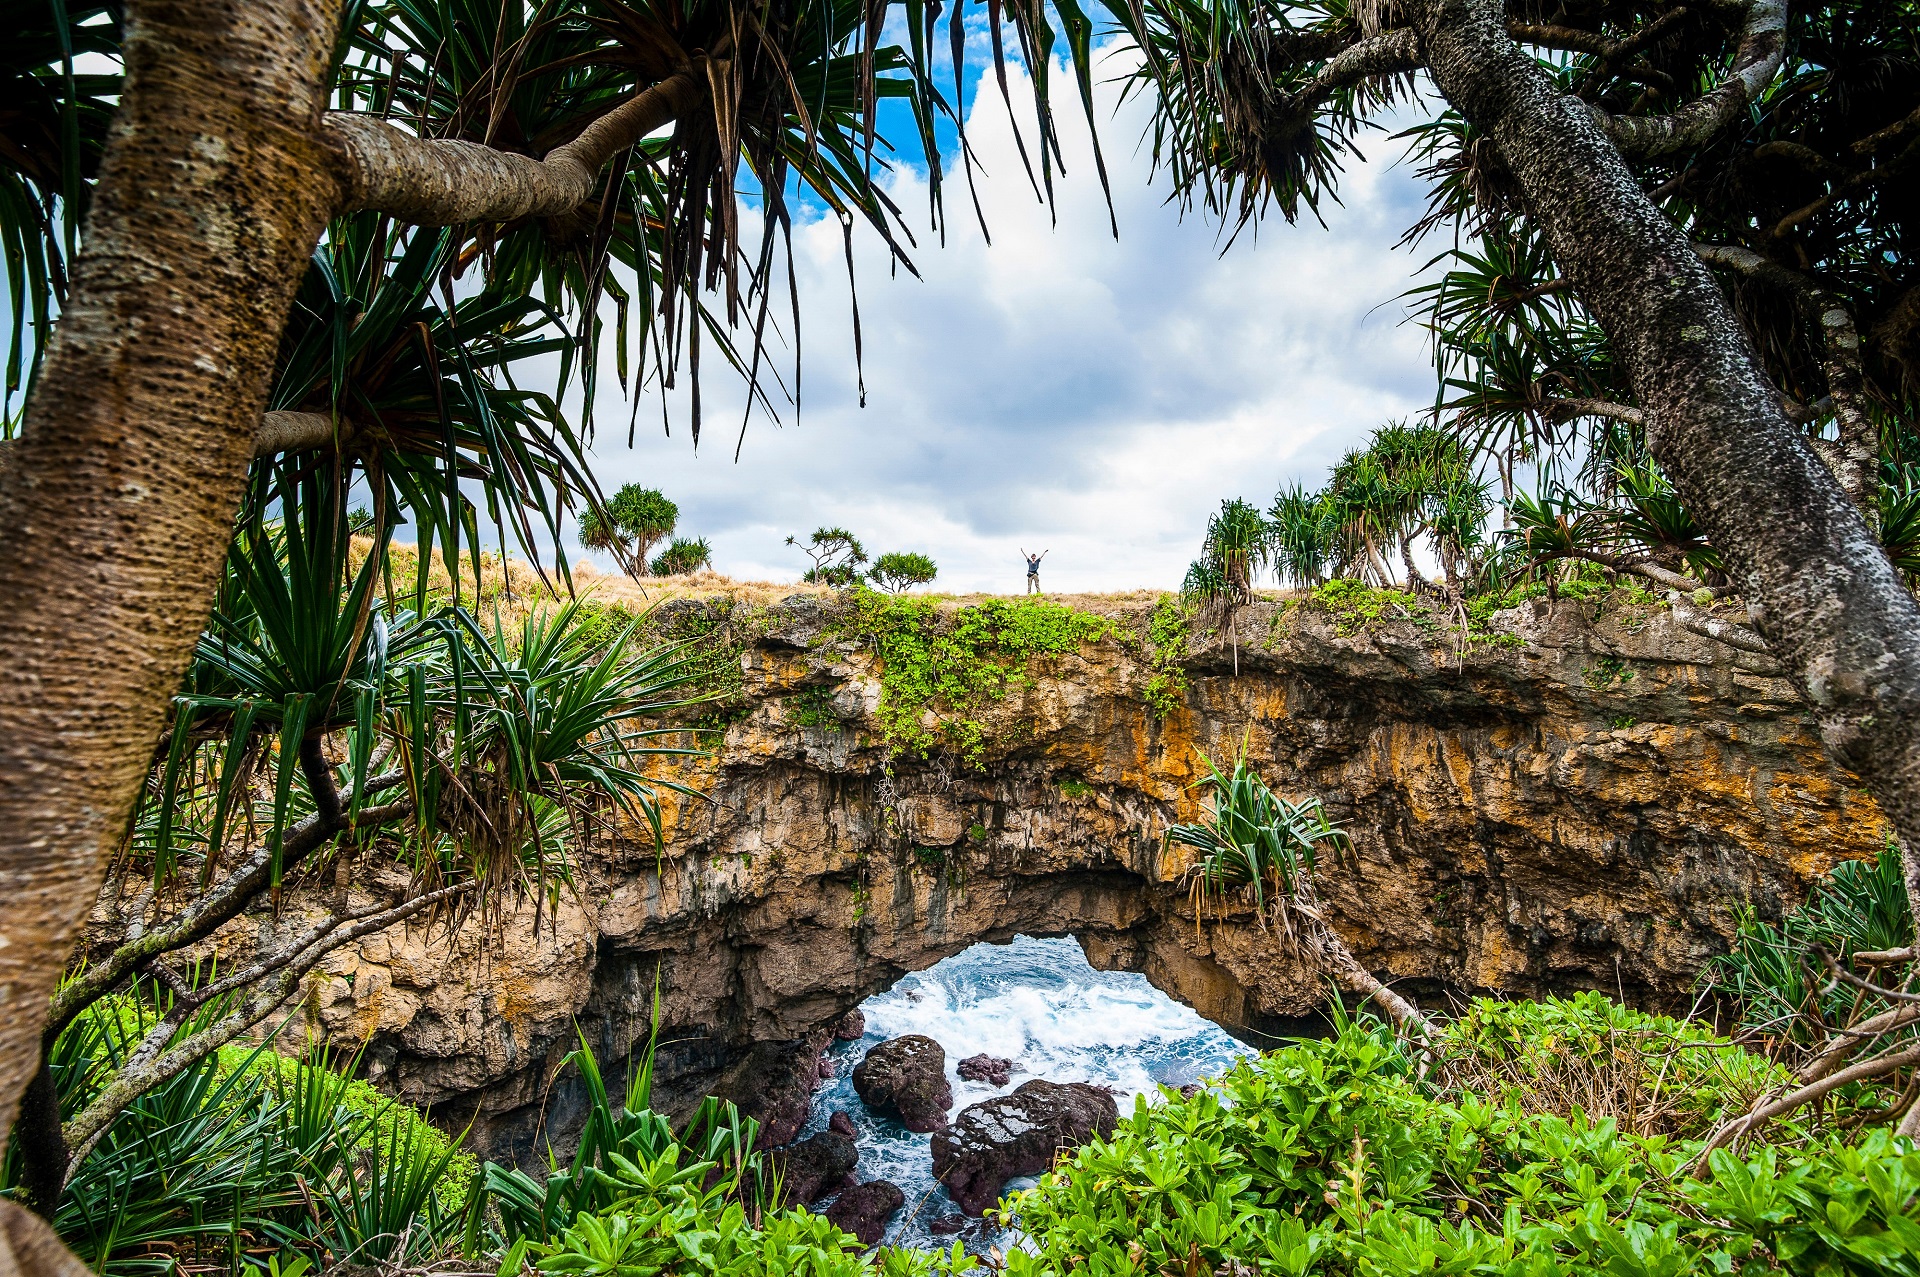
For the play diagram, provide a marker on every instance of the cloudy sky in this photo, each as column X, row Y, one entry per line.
column 1057, row 390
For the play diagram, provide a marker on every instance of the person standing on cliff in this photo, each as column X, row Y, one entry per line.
column 1033, row 569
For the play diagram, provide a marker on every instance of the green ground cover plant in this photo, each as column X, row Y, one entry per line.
column 1530, row 1139
column 1166, row 652
column 942, row 668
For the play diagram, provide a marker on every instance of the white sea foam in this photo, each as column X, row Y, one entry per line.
column 1039, row 1004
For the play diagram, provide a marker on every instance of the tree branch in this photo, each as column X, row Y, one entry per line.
column 1766, row 1111
column 145, row 1070
column 1847, row 1041
column 299, row 432
column 1571, row 39
column 279, row 432
column 443, row 182
column 1389, row 53
column 1857, row 465
column 221, row 905
column 1568, row 409
column 1734, row 636
column 1757, row 60
column 1638, row 567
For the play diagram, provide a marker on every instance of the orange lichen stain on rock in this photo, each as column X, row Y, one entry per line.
column 1823, row 822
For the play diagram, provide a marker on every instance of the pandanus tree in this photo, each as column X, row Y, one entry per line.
column 1238, row 546
column 836, row 555
column 1251, row 843
column 1689, row 218
column 1307, row 536
column 684, row 555
column 632, row 522
column 899, row 570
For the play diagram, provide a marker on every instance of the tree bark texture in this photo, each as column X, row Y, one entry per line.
column 119, row 499
column 1819, row 588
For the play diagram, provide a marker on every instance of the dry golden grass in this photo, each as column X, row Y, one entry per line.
column 515, row 587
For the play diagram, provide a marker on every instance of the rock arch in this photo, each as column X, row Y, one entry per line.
column 1520, row 825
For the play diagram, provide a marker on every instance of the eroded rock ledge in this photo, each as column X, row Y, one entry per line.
column 1585, row 803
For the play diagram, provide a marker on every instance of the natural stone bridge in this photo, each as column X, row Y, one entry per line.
column 1584, row 804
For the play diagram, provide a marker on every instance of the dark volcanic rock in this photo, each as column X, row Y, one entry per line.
column 908, row 1075
column 864, row 1209
column 774, row 1084
column 946, row 1225
column 986, row 1068
column 842, row 1124
column 852, row 1026
column 813, row 1168
column 1017, row 1134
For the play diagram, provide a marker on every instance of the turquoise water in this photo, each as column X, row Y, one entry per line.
column 1039, row 1004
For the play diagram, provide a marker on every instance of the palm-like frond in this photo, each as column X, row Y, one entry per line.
column 425, row 391
column 1900, row 519
column 1238, row 123
column 1254, row 843
column 1553, row 526
column 53, row 127
column 1652, row 519
column 504, row 746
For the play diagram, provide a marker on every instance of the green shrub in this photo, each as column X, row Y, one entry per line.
column 1340, row 1158
column 664, row 1221
column 949, row 667
column 899, row 570
column 1355, row 605
column 1166, row 652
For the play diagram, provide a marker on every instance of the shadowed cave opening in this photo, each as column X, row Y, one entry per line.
column 1039, row 1003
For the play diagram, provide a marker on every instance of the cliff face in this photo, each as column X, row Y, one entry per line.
column 1585, row 802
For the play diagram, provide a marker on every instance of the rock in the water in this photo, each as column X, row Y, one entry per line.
column 842, row 1124
column 827, row 1071
column 986, row 1068
column 946, row 1225
column 851, row 1027
column 1017, row 1134
column 775, row 1086
column 864, row 1210
column 813, row 1168
column 908, row 1075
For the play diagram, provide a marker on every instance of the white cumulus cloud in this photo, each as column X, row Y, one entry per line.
column 1056, row 389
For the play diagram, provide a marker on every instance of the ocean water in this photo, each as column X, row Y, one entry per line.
column 1039, row 1004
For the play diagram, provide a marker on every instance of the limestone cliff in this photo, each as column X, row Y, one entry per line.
column 1583, row 799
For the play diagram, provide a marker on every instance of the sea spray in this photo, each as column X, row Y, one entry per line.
column 1039, row 1004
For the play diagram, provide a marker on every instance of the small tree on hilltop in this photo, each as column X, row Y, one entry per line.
column 635, row 519
column 836, row 553
column 901, row 570
column 1238, row 545
column 683, row 556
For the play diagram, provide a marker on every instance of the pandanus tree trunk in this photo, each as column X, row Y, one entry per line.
column 118, row 500
column 1817, row 584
